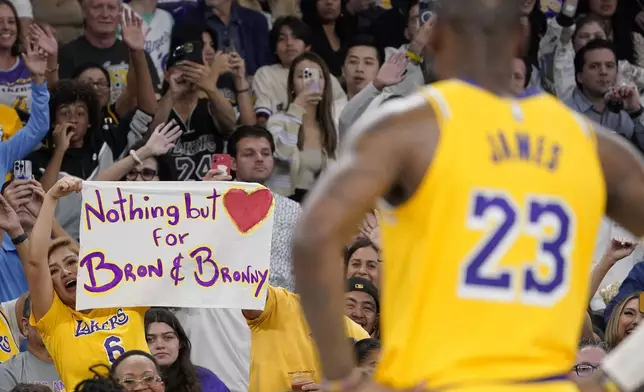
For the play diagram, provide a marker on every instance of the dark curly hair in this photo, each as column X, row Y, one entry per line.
column 68, row 91
column 181, row 376
column 100, row 382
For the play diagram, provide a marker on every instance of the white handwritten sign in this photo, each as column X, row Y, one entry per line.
column 184, row 244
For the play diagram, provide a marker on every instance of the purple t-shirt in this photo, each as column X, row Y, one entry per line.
column 15, row 86
column 209, row 381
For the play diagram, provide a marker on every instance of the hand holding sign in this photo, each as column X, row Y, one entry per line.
column 65, row 186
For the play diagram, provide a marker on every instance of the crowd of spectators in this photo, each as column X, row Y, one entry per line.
column 151, row 89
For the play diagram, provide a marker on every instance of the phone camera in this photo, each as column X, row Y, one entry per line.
column 615, row 105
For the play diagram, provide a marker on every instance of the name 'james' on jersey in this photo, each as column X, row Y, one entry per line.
column 493, row 251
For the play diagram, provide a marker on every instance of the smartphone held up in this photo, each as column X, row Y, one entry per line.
column 22, row 170
column 426, row 9
column 222, row 162
column 311, row 78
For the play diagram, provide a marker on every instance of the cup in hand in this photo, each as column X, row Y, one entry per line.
column 300, row 379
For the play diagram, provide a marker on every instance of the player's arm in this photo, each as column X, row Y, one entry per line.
column 375, row 161
column 623, row 169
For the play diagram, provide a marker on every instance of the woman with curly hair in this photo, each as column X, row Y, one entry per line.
column 171, row 347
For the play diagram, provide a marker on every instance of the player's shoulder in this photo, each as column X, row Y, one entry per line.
column 394, row 119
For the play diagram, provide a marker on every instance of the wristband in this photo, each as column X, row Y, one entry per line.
column 19, row 239
column 637, row 113
column 413, row 56
column 135, row 157
column 243, row 91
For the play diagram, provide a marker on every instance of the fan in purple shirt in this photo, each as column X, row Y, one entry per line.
column 171, row 347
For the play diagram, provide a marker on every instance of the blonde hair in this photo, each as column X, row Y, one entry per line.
column 61, row 242
column 612, row 328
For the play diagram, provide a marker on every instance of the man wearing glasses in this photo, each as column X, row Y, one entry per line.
column 589, row 357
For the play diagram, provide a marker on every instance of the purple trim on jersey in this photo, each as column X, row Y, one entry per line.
column 528, row 93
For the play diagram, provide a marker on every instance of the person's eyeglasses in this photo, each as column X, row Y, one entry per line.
column 98, row 84
column 146, row 174
column 131, row 383
column 584, row 369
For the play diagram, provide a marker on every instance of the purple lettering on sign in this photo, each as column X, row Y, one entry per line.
column 214, row 197
column 225, row 276
column 203, row 255
column 88, row 262
column 98, row 214
column 128, row 272
column 95, row 261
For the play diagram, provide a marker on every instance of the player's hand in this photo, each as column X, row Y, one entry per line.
column 618, row 249
column 65, row 186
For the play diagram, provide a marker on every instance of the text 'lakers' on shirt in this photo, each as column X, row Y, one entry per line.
column 518, row 145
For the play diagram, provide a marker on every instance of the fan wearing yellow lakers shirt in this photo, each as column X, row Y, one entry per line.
column 75, row 340
column 8, row 347
column 281, row 342
column 490, row 206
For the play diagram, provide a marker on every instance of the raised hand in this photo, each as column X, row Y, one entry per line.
column 35, row 59
column 222, row 64
column 197, row 74
column 618, row 249
column 237, row 64
column 63, row 134
column 65, row 186
column 44, row 37
column 9, row 221
column 162, row 139
column 216, row 175
column 392, row 71
column 178, row 85
column 37, row 196
column 132, row 30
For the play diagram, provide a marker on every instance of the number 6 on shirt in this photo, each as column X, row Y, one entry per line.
column 112, row 345
column 545, row 219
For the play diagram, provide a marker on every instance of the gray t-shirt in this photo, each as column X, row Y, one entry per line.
column 27, row 368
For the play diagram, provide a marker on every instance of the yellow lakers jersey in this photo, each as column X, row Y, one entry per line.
column 8, row 347
column 77, row 341
column 486, row 266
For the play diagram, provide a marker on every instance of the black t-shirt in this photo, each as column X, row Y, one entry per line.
column 114, row 59
column 201, row 138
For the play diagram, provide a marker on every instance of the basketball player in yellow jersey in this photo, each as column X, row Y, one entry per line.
column 8, row 347
column 490, row 207
column 75, row 340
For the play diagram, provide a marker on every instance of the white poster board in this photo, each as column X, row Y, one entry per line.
column 180, row 244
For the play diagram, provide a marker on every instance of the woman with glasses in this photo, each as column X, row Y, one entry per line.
column 147, row 160
column 589, row 357
column 137, row 370
column 171, row 347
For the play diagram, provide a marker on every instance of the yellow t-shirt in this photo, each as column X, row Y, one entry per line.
column 8, row 346
column 9, row 124
column 281, row 343
column 77, row 341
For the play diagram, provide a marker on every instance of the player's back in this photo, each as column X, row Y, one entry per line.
column 486, row 266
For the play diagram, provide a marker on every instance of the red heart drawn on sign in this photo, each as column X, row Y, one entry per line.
column 247, row 210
